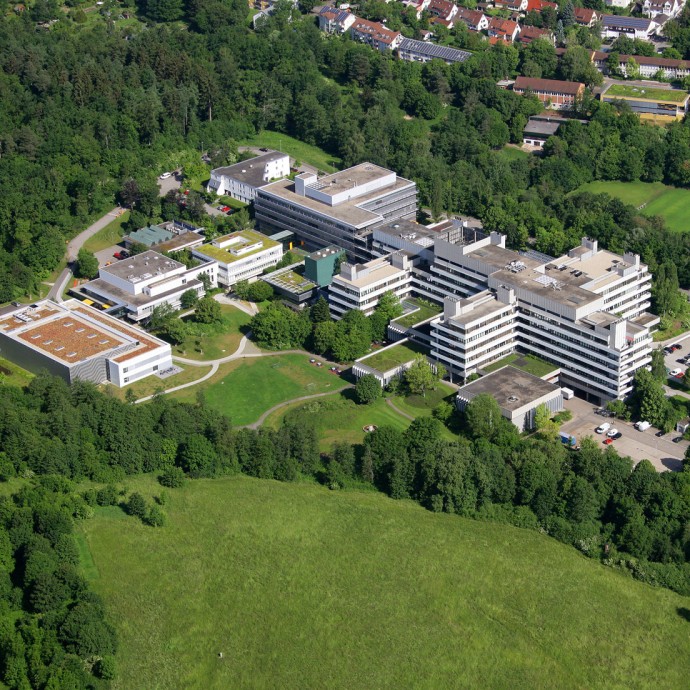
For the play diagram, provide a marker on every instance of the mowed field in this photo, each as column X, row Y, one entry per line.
column 301, row 587
column 244, row 389
column 671, row 203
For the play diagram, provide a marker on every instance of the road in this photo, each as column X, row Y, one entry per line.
column 73, row 247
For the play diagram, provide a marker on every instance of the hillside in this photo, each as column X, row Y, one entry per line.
column 302, row 587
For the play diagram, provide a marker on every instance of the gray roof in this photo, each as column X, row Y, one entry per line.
column 432, row 50
column 546, row 129
column 251, row 171
column 512, row 388
column 142, row 266
column 626, row 22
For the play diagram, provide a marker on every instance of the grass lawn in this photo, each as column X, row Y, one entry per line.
column 232, row 203
column 529, row 363
column 152, row 384
column 630, row 91
column 218, row 345
column 111, row 234
column 385, row 360
column 12, row 375
column 246, row 388
column 301, row 587
column 304, row 153
column 423, row 312
column 670, row 203
column 512, row 153
column 421, row 406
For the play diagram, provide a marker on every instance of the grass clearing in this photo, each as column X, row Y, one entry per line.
column 529, row 363
column 655, row 198
column 152, row 384
column 220, row 344
column 387, row 359
column 512, row 153
column 246, row 388
column 301, row 587
column 13, row 375
column 304, row 153
column 421, row 406
column 111, row 234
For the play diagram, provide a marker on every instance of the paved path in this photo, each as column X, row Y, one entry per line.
column 262, row 419
column 390, row 404
column 73, row 247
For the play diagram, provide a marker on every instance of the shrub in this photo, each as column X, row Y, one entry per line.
column 155, row 517
column 105, row 668
column 173, row 477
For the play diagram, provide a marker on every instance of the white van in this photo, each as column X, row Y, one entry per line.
column 567, row 393
column 603, row 428
column 642, row 426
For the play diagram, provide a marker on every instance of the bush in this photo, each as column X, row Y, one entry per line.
column 105, row 668
column 107, row 496
column 136, row 506
column 367, row 389
column 259, row 291
column 155, row 517
column 173, row 477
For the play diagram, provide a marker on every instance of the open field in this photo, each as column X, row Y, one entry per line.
column 13, row 375
column 301, row 587
column 304, row 153
column 249, row 387
column 670, row 203
column 339, row 418
column 218, row 345
column 111, row 234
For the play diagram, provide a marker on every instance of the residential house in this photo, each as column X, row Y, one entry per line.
column 559, row 95
column 375, row 34
column 240, row 255
column 538, row 130
column 335, row 21
column 503, row 29
column 614, row 26
column 531, row 33
column 421, row 51
column 539, row 5
column 241, row 180
column 475, row 20
column 586, row 17
column 417, row 5
column 623, row 4
column 443, row 9
column 518, row 6
column 669, row 8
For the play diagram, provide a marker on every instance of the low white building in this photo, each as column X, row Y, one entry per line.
column 141, row 283
column 77, row 342
column 613, row 26
column 240, row 181
column 240, row 255
column 649, row 67
column 361, row 286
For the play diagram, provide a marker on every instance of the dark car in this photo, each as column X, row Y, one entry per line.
column 676, row 346
column 677, row 439
column 615, row 437
column 659, row 434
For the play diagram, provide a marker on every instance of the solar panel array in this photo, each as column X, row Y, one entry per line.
column 432, row 50
column 626, row 22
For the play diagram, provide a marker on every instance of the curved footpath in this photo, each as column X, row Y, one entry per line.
column 390, row 404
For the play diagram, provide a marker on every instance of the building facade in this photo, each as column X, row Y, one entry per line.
column 340, row 209
column 240, row 255
column 649, row 67
column 421, row 51
column 613, row 26
column 240, row 181
column 374, row 34
column 555, row 94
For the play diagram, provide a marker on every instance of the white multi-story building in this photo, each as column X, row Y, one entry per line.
column 141, row 283
column 240, row 255
column 77, row 342
column 361, row 286
column 649, row 67
column 669, row 8
column 613, row 26
column 335, row 21
column 240, row 181
column 341, row 209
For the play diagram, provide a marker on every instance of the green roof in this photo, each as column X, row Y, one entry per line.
column 224, row 255
column 421, row 312
column 393, row 356
column 529, row 363
column 646, row 93
column 291, row 280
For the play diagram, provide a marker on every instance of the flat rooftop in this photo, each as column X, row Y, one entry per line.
column 512, row 388
column 246, row 238
column 541, row 127
column 348, row 212
column 326, row 251
column 500, row 257
column 290, row 280
column 646, row 92
column 483, row 306
column 378, row 269
column 142, row 267
column 72, row 333
column 251, row 171
column 186, row 239
column 111, row 293
column 150, row 235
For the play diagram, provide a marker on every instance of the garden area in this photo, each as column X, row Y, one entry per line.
column 387, row 359
column 529, row 363
column 422, row 311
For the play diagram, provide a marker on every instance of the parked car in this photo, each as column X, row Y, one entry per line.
column 659, row 434
column 224, row 209
column 677, row 439
column 608, row 441
column 165, row 175
column 611, row 433
column 602, row 429
column 676, row 346
column 617, row 436
column 676, row 372
column 668, row 350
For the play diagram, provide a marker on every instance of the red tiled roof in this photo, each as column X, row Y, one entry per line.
column 584, row 15
column 599, row 56
column 539, row 5
column 530, row 33
column 376, row 30
column 552, row 85
column 470, row 16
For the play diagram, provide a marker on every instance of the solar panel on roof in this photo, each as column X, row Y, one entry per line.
column 433, row 51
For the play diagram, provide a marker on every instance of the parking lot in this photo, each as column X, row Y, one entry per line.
column 639, row 445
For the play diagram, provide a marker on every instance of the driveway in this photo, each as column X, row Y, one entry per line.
column 173, row 182
column 639, row 445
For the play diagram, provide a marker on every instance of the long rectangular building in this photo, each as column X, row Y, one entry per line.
column 340, row 209
column 77, row 342
column 559, row 95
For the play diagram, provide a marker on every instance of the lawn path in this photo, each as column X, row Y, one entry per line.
column 390, row 404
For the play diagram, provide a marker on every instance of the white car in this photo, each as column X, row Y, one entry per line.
column 676, row 372
column 603, row 428
column 612, row 432
column 165, row 175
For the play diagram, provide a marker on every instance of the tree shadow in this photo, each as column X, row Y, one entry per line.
column 683, row 613
column 673, row 464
